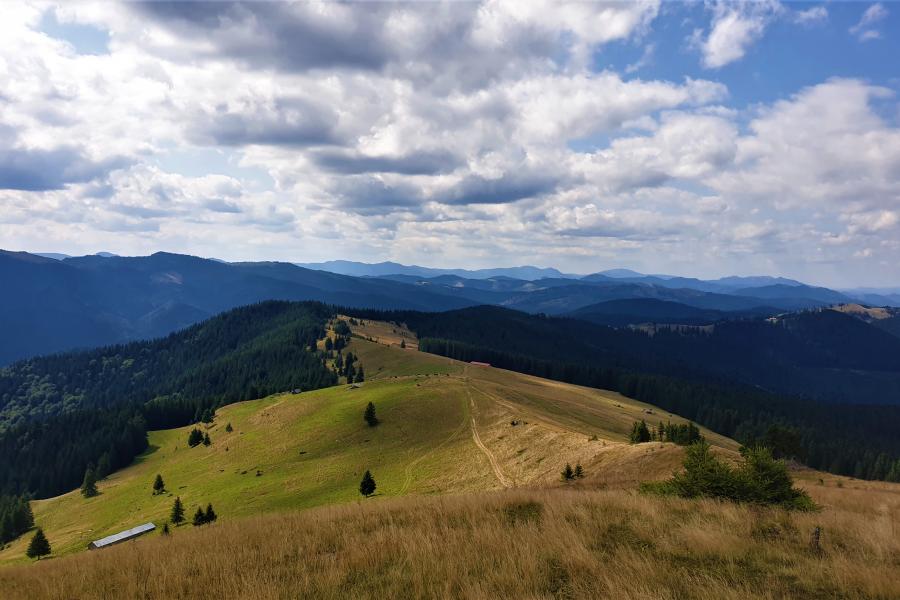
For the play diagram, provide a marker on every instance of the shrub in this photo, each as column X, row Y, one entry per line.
column 759, row 479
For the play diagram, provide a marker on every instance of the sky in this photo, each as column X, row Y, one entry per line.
column 691, row 138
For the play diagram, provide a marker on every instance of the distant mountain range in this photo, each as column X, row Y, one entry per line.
column 56, row 302
column 359, row 269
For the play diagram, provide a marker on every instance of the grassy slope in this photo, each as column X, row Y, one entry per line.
column 311, row 449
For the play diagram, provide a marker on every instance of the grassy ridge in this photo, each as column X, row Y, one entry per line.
column 312, row 448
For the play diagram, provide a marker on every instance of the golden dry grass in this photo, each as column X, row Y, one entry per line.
column 553, row 543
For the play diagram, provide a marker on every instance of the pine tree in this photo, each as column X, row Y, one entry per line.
column 177, row 511
column 229, row 428
column 568, row 474
column 195, row 437
column 367, row 485
column 199, row 517
column 640, row 433
column 369, row 415
column 7, row 529
column 210, row 515
column 579, row 471
column 89, row 484
column 104, row 466
column 206, row 440
column 39, row 545
column 158, row 485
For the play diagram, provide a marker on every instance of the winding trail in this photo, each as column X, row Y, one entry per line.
column 504, row 480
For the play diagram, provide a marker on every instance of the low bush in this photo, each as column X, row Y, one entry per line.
column 759, row 479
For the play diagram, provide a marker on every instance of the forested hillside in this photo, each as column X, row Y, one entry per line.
column 60, row 413
column 90, row 301
column 688, row 374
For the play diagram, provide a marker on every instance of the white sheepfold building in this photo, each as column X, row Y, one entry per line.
column 122, row 536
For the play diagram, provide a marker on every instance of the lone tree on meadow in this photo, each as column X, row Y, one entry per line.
column 370, row 417
column 39, row 545
column 89, row 484
column 177, row 511
column 158, row 485
column 228, row 427
column 195, row 437
column 367, row 485
column 199, row 517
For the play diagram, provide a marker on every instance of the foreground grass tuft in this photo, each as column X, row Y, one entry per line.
column 583, row 544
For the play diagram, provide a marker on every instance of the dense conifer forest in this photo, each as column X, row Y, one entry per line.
column 63, row 413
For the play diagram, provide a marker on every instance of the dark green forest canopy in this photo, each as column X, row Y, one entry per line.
column 60, row 413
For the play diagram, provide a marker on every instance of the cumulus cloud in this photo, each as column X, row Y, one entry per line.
column 472, row 133
column 42, row 169
column 735, row 27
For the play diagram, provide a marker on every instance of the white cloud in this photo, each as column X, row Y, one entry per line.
column 735, row 27
column 863, row 29
column 811, row 16
column 473, row 134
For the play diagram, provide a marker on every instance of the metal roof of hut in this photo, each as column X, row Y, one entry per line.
column 122, row 536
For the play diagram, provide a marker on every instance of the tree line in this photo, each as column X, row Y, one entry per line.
column 61, row 414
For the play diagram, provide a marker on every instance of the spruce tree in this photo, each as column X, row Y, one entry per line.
column 199, row 517
column 579, row 471
column 39, row 545
column 165, row 529
column 229, row 428
column 403, row 343
column 104, row 466
column 158, row 485
column 89, row 484
column 206, row 440
column 7, row 529
column 177, row 511
column 367, row 485
column 639, row 432
column 369, row 415
column 360, row 375
column 210, row 515
column 568, row 474
column 195, row 437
